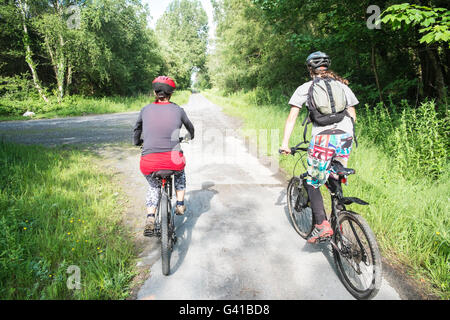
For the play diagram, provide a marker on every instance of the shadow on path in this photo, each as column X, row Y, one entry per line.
column 197, row 203
column 325, row 248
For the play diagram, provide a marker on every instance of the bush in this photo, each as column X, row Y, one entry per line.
column 414, row 138
column 77, row 105
column 19, row 87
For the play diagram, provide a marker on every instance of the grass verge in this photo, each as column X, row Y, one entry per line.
column 410, row 217
column 80, row 106
column 59, row 209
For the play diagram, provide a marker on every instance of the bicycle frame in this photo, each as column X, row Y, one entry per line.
column 166, row 188
column 334, row 221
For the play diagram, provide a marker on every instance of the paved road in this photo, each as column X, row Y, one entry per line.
column 109, row 128
column 235, row 241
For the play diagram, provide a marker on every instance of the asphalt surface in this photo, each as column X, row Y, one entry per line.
column 235, row 240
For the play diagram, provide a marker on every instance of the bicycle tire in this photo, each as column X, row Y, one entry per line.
column 302, row 219
column 165, row 235
column 364, row 247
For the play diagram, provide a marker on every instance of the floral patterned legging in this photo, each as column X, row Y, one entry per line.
column 153, row 194
column 322, row 149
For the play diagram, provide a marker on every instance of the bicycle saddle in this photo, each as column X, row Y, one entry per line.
column 163, row 174
column 339, row 169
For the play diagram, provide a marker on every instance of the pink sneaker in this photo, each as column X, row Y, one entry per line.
column 321, row 231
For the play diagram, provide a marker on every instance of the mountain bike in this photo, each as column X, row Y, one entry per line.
column 355, row 249
column 165, row 216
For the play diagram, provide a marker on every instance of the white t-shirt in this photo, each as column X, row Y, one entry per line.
column 300, row 97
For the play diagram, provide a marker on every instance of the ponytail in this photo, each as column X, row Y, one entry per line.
column 327, row 74
column 161, row 96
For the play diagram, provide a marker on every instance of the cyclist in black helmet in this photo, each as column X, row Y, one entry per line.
column 328, row 141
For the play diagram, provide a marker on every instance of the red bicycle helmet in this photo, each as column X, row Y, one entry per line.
column 164, row 84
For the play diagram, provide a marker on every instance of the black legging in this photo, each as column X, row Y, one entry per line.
column 316, row 199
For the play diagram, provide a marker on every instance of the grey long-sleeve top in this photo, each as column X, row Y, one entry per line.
column 159, row 125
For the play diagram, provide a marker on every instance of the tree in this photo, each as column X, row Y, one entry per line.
column 433, row 25
column 248, row 53
column 23, row 8
column 183, row 33
column 117, row 52
column 86, row 47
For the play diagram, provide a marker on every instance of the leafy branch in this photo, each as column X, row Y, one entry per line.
column 433, row 23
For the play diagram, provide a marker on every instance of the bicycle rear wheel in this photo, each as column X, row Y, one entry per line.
column 165, row 235
column 299, row 209
column 358, row 259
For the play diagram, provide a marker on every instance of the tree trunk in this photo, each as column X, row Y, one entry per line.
column 61, row 67
column 375, row 72
column 432, row 74
column 28, row 52
column 439, row 82
column 69, row 78
column 52, row 55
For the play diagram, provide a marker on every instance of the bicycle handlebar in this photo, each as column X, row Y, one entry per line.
column 295, row 149
column 185, row 139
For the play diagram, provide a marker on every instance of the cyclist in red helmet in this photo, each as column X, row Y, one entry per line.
column 159, row 125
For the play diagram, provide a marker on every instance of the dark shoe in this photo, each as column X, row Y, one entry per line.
column 149, row 229
column 179, row 210
column 320, row 232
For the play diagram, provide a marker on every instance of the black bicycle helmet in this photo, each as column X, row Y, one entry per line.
column 318, row 59
column 163, row 86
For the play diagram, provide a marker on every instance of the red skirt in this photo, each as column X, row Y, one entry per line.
column 172, row 160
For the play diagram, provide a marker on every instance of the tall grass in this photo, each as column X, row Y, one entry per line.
column 417, row 138
column 78, row 105
column 402, row 171
column 57, row 209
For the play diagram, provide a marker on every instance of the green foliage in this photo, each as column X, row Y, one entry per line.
column 17, row 87
column 415, row 139
column 11, row 109
column 434, row 23
column 60, row 209
column 111, row 51
column 264, row 44
column 247, row 53
column 11, row 54
column 183, row 33
column 117, row 53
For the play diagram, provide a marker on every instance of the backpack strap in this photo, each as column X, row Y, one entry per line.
column 310, row 101
column 330, row 95
column 305, row 123
column 310, row 105
column 353, row 123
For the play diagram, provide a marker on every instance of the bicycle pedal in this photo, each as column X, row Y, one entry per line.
column 324, row 239
column 149, row 234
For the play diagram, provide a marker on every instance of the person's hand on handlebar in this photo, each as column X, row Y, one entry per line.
column 186, row 138
column 284, row 150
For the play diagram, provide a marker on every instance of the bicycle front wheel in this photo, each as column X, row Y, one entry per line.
column 165, row 235
column 357, row 258
column 298, row 206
